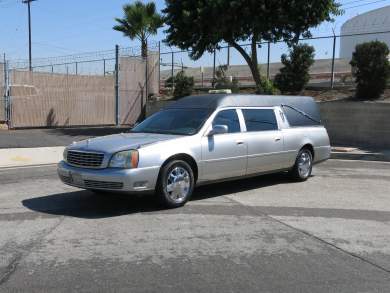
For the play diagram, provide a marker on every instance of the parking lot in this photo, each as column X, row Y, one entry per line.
column 329, row 234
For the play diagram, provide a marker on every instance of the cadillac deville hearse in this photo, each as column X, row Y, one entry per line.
column 199, row 140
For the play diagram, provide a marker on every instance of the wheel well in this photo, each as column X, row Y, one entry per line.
column 186, row 158
column 310, row 148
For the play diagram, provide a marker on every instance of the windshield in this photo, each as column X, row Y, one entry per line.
column 174, row 121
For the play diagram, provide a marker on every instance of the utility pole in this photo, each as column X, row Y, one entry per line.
column 28, row 2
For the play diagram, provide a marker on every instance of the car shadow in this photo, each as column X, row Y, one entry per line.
column 85, row 204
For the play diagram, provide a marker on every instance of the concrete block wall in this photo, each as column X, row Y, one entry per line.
column 361, row 124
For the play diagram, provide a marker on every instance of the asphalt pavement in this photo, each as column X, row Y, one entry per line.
column 266, row 234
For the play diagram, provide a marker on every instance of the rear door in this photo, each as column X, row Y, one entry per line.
column 224, row 155
column 264, row 139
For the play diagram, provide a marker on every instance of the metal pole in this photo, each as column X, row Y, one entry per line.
column 117, row 85
column 333, row 61
column 77, row 69
column 144, row 101
column 215, row 60
column 172, row 70
column 104, row 67
column 228, row 56
column 268, row 60
column 159, row 66
column 28, row 2
column 52, row 69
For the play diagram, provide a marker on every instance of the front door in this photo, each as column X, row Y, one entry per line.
column 224, row 155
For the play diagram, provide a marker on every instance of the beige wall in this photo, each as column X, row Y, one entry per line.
column 357, row 123
column 48, row 100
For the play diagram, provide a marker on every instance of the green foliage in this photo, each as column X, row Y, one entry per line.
column 294, row 76
column 201, row 25
column 221, row 81
column 267, row 87
column 139, row 22
column 371, row 69
column 182, row 85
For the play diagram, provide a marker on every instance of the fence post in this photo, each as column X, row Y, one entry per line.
column 172, row 70
column 144, row 101
column 333, row 61
column 159, row 66
column 116, row 85
column 268, row 60
column 214, row 62
column 228, row 56
column 77, row 69
column 104, row 67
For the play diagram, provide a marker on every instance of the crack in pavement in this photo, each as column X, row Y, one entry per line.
column 25, row 250
column 334, row 246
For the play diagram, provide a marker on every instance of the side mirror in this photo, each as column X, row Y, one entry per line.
column 218, row 129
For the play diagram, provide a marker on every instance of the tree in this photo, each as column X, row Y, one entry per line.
column 139, row 22
column 371, row 69
column 294, row 76
column 183, row 85
column 202, row 25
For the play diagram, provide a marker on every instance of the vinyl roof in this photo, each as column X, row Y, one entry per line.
column 303, row 104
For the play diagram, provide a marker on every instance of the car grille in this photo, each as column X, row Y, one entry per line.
column 103, row 184
column 84, row 159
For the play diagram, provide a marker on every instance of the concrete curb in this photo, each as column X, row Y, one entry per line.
column 360, row 156
column 22, row 157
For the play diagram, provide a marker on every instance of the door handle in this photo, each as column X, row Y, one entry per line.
column 278, row 138
column 240, row 142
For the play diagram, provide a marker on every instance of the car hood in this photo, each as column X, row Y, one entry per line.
column 120, row 142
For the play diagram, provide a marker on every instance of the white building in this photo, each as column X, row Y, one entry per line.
column 377, row 20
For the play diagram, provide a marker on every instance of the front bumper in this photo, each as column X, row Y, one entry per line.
column 133, row 180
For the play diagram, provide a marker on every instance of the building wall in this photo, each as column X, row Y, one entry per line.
column 377, row 20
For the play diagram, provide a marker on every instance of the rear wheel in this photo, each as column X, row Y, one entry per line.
column 176, row 184
column 303, row 165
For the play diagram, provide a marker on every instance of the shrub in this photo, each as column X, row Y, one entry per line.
column 371, row 69
column 183, row 85
column 294, row 76
column 223, row 82
column 267, row 87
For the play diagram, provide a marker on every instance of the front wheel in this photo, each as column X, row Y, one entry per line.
column 176, row 184
column 303, row 165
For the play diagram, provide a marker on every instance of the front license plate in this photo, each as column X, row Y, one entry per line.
column 77, row 179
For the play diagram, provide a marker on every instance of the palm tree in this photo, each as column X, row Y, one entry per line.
column 139, row 22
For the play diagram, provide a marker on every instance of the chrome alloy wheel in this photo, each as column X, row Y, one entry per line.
column 178, row 184
column 304, row 164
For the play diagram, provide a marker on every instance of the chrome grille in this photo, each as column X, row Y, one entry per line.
column 103, row 184
column 84, row 159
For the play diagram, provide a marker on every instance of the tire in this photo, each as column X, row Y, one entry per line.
column 176, row 184
column 303, row 165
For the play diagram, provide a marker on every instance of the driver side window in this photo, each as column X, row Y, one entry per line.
column 228, row 118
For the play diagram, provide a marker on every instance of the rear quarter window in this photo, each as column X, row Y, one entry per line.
column 260, row 119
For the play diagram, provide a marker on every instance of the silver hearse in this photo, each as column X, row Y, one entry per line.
column 199, row 140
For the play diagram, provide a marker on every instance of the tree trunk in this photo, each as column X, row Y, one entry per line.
column 251, row 61
column 144, row 48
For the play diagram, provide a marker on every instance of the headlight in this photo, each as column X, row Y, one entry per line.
column 65, row 154
column 124, row 160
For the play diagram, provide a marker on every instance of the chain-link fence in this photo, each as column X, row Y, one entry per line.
column 331, row 68
column 81, row 90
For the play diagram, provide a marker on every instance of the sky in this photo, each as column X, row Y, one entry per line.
column 77, row 26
